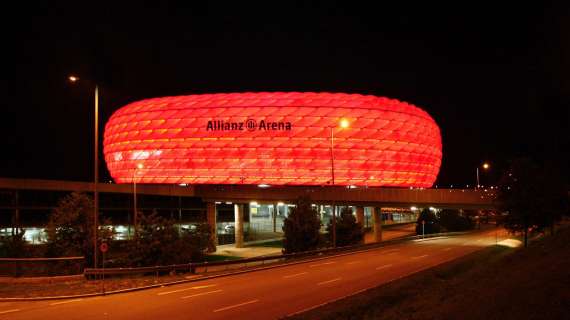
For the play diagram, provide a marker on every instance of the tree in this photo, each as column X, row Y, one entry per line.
column 532, row 197
column 70, row 228
column 301, row 228
column 431, row 222
column 14, row 246
column 348, row 231
column 452, row 220
column 159, row 242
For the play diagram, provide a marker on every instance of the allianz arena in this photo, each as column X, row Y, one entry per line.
column 280, row 138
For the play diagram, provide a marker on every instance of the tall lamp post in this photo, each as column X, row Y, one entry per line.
column 342, row 124
column 139, row 166
column 96, row 167
column 485, row 166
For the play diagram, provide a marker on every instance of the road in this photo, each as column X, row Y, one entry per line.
column 267, row 294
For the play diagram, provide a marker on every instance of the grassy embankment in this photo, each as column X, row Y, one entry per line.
column 495, row 283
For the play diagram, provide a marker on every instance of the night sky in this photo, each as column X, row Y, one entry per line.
column 495, row 77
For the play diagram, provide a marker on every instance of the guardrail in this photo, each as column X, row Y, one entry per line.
column 194, row 266
column 35, row 267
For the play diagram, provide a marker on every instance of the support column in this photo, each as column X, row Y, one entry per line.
column 211, row 219
column 238, row 211
column 360, row 215
column 275, row 212
column 377, row 218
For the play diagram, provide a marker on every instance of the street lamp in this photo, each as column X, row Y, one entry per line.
column 342, row 124
column 139, row 166
column 485, row 167
column 74, row 79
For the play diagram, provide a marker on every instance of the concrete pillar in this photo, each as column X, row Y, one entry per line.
column 211, row 219
column 377, row 218
column 360, row 215
column 275, row 212
column 238, row 210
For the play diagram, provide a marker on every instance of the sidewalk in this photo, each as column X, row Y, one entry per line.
column 246, row 252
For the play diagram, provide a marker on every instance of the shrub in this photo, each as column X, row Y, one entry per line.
column 301, row 228
column 348, row 231
column 431, row 222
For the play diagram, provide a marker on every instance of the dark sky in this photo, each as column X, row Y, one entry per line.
column 495, row 77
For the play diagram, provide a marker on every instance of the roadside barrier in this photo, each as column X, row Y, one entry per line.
column 35, row 267
column 193, row 267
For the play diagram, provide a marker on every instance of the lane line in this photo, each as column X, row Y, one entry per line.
column 383, row 267
column 186, row 289
column 294, row 275
column 64, row 302
column 321, row 264
column 201, row 294
column 419, row 257
column 328, row 281
column 236, row 305
column 8, row 311
column 353, row 262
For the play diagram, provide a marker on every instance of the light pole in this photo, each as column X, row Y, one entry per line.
column 485, row 166
column 343, row 124
column 139, row 166
column 96, row 167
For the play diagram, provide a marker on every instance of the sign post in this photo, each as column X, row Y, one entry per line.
column 103, row 247
column 423, row 229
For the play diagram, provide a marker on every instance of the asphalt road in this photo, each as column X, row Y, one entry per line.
column 267, row 294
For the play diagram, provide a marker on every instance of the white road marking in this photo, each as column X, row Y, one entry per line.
column 186, row 289
column 236, row 305
column 328, row 281
column 419, row 257
column 294, row 275
column 201, row 294
column 64, row 302
column 383, row 267
column 8, row 311
column 353, row 262
column 321, row 264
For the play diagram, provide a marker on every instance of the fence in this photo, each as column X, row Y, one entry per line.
column 215, row 266
column 38, row 267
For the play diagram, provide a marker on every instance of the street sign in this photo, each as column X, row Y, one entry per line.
column 104, row 247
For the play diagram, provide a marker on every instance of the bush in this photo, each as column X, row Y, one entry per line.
column 14, row 246
column 452, row 220
column 348, row 231
column 301, row 228
column 432, row 222
column 159, row 242
column 70, row 228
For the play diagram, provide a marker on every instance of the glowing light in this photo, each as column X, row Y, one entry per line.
column 140, row 166
column 197, row 139
column 485, row 165
column 413, row 208
column 253, row 203
column 263, row 185
column 73, row 78
column 280, row 204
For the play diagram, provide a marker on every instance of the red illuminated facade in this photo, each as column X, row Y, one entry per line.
column 273, row 138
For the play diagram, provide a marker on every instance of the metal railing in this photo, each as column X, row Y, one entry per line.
column 193, row 267
column 38, row 267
